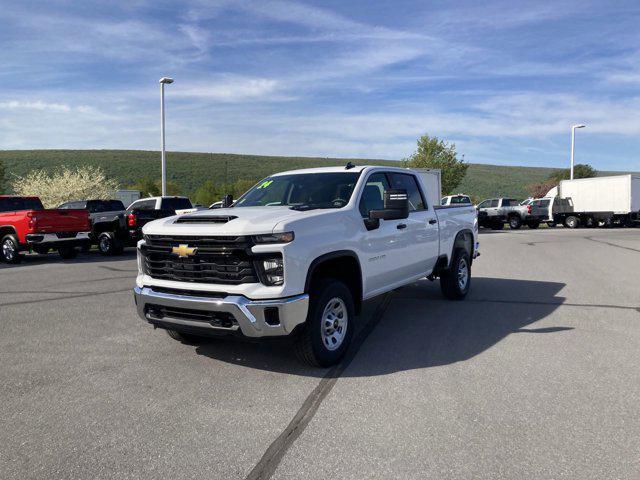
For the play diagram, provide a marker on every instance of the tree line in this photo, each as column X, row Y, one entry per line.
column 83, row 181
column 580, row 170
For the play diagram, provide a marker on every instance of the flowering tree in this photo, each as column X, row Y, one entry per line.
column 65, row 184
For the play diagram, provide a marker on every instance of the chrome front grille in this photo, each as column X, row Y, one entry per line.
column 221, row 260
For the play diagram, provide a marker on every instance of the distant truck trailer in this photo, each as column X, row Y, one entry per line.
column 432, row 178
column 598, row 200
column 127, row 197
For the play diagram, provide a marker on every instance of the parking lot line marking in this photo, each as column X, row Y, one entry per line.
column 612, row 244
column 272, row 457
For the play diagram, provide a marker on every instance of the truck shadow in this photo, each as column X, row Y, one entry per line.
column 420, row 329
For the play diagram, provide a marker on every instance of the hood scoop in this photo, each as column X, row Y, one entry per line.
column 205, row 219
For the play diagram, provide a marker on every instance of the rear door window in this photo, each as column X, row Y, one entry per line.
column 494, row 203
column 408, row 182
column 143, row 205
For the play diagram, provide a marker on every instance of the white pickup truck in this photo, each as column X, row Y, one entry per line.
column 298, row 254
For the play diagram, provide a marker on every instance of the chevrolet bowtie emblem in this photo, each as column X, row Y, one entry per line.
column 184, row 251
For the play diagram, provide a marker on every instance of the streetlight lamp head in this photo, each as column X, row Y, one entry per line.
column 579, row 126
column 166, row 80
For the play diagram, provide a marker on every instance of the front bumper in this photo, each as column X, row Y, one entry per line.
column 67, row 238
column 253, row 318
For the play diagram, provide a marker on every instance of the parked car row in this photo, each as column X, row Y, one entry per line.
column 25, row 225
column 587, row 202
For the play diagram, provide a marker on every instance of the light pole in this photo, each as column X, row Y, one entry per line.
column 573, row 144
column 163, row 81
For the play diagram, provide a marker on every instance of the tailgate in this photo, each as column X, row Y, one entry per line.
column 50, row 221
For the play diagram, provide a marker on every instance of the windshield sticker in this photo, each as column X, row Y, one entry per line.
column 265, row 184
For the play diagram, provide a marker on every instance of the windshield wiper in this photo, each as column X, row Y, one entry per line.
column 303, row 207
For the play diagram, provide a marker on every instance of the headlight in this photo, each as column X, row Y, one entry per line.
column 273, row 269
column 285, row 237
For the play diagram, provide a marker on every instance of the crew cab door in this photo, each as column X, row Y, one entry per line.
column 422, row 231
column 382, row 247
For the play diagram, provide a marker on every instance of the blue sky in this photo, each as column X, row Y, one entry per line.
column 503, row 80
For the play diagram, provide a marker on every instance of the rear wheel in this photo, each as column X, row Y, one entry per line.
column 515, row 222
column 10, row 251
column 329, row 328
column 571, row 222
column 456, row 280
column 534, row 225
column 108, row 244
column 67, row 253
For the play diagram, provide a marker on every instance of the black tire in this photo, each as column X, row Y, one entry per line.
column 451, row 283
column 10, row 249
column 572, row 222
column 533, row 225
column 109, row 245
column 497, row 226
column 515, row 222
column 187, row 338
column 67, row 253
column 313, row 346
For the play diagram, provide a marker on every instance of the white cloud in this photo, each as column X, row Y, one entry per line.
column 231, row 89
column 36, row 105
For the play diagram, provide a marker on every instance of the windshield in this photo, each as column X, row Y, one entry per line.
column 305, row 190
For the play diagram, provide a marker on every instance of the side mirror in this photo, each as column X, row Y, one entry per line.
column 227, row 201
column 396, row 207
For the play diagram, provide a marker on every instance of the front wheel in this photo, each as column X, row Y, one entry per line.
column 10, row 250
column 571, row 222
column 329, row 327
column 515, row 222
column 187, row 338
column 534, row 225
column 456, row 280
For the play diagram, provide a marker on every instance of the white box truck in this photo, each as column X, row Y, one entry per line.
column 431, row 179
column 598, row 200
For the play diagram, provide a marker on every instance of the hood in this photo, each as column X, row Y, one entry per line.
column 224, row 221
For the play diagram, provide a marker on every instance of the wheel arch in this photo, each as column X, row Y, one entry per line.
column 342, row 265
column 464, row 239
column 7, row 230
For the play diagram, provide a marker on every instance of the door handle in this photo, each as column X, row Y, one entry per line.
column 401, row 226
column 433, row 221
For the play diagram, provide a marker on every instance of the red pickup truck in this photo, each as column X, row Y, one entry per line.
column 26, row 225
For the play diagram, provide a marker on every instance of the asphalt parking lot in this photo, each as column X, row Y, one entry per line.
column 535, row 375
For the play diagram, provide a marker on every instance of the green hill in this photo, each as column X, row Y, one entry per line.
column 190, row 170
